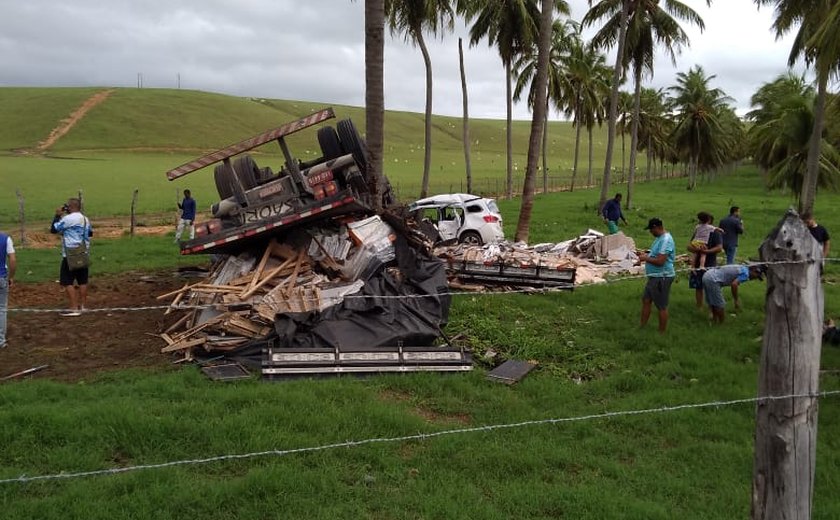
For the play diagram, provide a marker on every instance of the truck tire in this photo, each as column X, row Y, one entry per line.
column 353, row 143
column 329, row 142
column 224, row 177
column 247, row 171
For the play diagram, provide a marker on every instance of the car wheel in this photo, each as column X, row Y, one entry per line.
column 330, row 143
column 224, row 178
column 353, row 143
column 470, row 238
column 247, row 171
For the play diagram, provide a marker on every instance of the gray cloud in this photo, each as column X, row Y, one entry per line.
column 314, row 51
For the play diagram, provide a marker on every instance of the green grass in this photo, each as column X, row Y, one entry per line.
column 593, row 358
column 100, row 155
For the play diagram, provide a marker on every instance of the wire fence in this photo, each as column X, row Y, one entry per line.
column 504, row 292
column 66, row 475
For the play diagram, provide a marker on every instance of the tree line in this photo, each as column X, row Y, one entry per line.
column 545, row 57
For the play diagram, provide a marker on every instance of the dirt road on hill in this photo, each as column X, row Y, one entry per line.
column 68, row 123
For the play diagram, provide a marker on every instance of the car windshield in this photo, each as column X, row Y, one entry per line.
column 491, row 204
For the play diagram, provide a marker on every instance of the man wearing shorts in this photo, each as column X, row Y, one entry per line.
column 659, row 268
column 716, row 278
column 74, row 229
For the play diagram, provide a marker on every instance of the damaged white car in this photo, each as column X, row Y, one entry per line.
column 469, row 219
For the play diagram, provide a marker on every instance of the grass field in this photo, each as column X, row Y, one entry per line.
column 593, row 359
column 687, row 464
column 130, row 140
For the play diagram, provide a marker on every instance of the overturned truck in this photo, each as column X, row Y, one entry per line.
column 306, row 278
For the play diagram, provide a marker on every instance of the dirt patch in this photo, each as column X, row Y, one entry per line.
column 424, row 412
column 78, row 348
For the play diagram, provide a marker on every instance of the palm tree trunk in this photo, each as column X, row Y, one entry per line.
column 589, row 179
column 623, row 154
column 812, row 169
column 616, row 79
column 509, row 136
column 375, row 95
column 634, row 135
column 545, row 148
column 577, row 148
column 541, row 84
column 427, row 156
column 466, row 122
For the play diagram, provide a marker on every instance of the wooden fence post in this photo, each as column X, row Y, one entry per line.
column 133, row 214
column 786, row 429
column 81, row 201
column 21, row 217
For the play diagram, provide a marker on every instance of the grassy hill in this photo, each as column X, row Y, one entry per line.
column 135, row 135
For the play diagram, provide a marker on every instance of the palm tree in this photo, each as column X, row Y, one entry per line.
column 649, row 24
column 815, row 41
column 538, row 119
column 625, row 106
column 412, row 18
column 698, row 133
column 525, row 71
column 616, row 81
column 510, row 25
column 783, row 115
column 375, row 95
column 585, row 80
column 466, row 117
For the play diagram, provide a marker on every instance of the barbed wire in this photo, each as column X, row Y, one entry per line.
column 413, row 437
column 530, row 290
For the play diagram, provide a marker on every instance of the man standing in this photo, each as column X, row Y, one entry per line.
column 695, row 277
column 75, row 230
column 732, row 275
column 8, row 265
column 659, row 268
column 819, row 233
column 187, row 207
column 612, row 212
column 732, row 226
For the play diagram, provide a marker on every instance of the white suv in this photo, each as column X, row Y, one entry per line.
column 468, row 218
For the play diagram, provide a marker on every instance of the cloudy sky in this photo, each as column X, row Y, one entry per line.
column 314, row 50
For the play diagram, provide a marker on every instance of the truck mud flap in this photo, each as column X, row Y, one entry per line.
column 284, row 362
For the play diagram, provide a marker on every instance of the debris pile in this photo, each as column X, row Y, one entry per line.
column 589, row 258
column 312, row 294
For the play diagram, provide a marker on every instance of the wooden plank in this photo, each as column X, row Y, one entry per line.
column 183, row 344
column 180, row 322
column 271, row 274
column 183, row 289
column 294, row 276
column 175, row 302
column 259, row 271
column 189, row 332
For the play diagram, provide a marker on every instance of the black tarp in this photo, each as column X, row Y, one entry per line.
column 408, row 305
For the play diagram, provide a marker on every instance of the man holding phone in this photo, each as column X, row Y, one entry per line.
column 75, row 231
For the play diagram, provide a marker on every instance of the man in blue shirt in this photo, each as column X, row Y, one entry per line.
column 732, row 275
column 8, row 265
column 612, row 212
column 659, row 268
column 187, row 207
